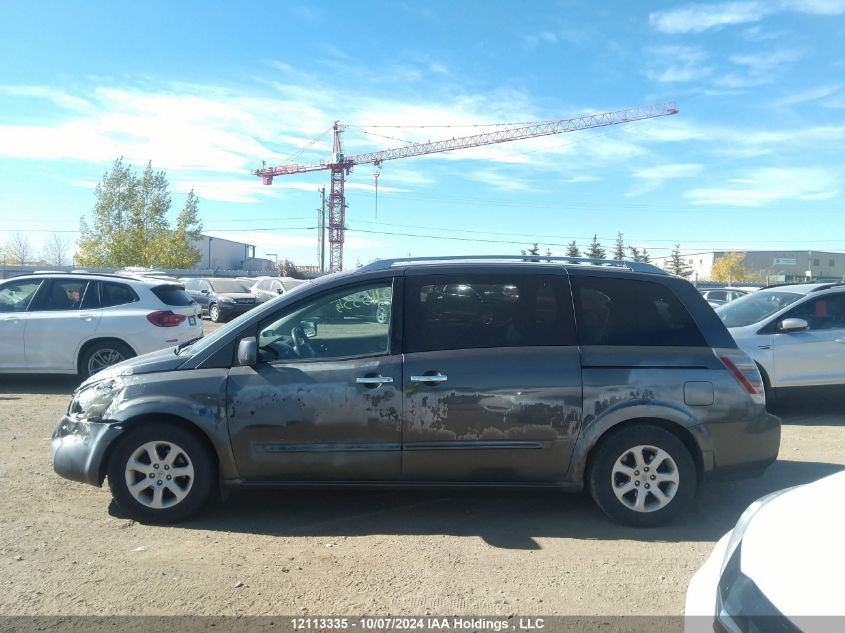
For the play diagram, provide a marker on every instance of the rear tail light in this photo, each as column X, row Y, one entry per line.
column 745, row 371
column 165, row 318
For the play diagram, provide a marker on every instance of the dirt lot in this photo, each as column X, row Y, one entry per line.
column 64, row 549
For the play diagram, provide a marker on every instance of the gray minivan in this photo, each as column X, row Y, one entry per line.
column 607, row 376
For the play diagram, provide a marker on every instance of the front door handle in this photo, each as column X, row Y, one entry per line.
column 373, row 380
column 85, row 317
column 432, row 378
column 840, row 340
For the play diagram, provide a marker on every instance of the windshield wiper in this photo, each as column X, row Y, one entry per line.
column 182, row 346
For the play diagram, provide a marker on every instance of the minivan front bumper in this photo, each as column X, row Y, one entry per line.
column 79, row 447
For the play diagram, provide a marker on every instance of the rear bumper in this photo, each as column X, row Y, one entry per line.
column 79, row 448
column 745, row 449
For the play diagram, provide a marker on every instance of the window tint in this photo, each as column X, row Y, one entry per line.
column 115, row 294
column 824, row 313
column 342, row 325
column 61, row 294
column 614, row 311
column 717, row 295
column 452, row 312
column 229, row 285
column 15, row 296
column 172, row 295
column 191, row 284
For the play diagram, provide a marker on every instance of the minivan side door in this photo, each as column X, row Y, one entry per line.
column 815, row 356
column 323, row 402
column 492, row 377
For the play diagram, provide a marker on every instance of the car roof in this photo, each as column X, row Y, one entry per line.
column 515, row 260
column 147, row 281
column 805, row 289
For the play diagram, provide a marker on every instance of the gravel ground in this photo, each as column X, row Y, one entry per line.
column 65, row 549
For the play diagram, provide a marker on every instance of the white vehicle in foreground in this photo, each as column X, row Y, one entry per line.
column 81, row 323
column 779, row 569
column 794, row 332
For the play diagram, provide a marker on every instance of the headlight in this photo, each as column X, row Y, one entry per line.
column 93, row 401
column 226, row 300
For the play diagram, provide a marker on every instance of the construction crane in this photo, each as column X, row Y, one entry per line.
column 340, row 165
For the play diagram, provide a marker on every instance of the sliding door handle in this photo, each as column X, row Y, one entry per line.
column 432, row 378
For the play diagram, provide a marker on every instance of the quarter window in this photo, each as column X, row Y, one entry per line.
column 466, row 312
column 114, row 294
column 614, row 311
column 341, row 325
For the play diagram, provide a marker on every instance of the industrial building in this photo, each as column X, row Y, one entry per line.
column 769, row 266
column 221, row 254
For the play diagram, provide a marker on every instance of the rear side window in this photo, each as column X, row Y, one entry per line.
column 614, row 311
column 465, row 312
column 115, row 294
column 172, row 295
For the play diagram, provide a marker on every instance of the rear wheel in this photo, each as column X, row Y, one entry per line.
column 161, row 473
column 101, row 355
column 214, row 313
column 642, row 475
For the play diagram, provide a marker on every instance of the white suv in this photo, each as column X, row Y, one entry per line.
column 795, row 333
column 81, row 323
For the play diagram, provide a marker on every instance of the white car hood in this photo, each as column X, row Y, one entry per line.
column 794, row 549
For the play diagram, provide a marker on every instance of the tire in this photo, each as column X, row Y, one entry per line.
column 771, row 394
column 101, row 355
column 624, row 460
column 214, row 313
column 177, row 498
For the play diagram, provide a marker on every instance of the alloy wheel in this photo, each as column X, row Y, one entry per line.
column 103, row 358
column 159, row 474
column 645, row 478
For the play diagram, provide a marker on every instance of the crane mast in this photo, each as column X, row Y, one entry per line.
column 341, row 165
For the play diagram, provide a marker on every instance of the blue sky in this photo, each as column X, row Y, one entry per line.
column 208, row 90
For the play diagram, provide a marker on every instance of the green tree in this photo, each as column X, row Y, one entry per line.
column 645, row 257
column 635, row 253
column 129, row 224
column 548, row 252
column 534, row 250
column 595, row 251
column 677, row 265
column 572, row 249
column 619, row 247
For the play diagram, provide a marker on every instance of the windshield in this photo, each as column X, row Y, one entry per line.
column 755, row 307
column 228, row 285
column 220, row 333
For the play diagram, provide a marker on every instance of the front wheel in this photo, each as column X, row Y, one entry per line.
column 161, row 473
column 642, row 475
column 214, row 313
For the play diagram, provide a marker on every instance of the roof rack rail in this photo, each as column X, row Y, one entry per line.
column 385, row 264
column 823, row 285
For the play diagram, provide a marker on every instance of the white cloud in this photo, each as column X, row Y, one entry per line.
column 651, row 178
column 695, row 18
column 809, row 95
column 768, row 185
column 671, row 64
column 701, row 17
column 57, row 97
column 500, row 181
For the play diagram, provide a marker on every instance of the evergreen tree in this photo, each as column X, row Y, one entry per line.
column 635, row 253
column 548, row 252
column 645, row 257
column 619, row 248
column 596, row 251
column 677, row 265
column 534, row 250
column 572, row 250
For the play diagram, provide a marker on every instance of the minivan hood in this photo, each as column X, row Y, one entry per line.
column 161, row 360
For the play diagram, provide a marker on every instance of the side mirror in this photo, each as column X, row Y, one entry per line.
column 279, row 291
column 247, row 351
column 309, row 328
column 793, row 325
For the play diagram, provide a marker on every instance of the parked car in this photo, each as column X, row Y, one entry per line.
column 718, row 296
column 83, row 323
column 266, row 288
column 794, row 332
column 779, row 568
column 637, row 395
column 220, row 298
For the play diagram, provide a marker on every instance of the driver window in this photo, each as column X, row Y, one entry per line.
column 824, row 313
column 341, row 325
